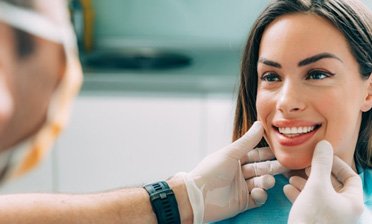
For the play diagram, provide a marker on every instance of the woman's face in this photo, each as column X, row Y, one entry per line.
column 309, row 89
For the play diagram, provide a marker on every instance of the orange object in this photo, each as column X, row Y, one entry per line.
column 89, row 15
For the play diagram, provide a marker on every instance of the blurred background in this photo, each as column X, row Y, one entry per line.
column 208, row 23
column 158, row 95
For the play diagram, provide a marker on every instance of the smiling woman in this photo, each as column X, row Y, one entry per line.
column 308, row 97
column 306, row 75
column 314, row 84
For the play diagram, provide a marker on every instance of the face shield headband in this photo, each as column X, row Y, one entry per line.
column 36, row 24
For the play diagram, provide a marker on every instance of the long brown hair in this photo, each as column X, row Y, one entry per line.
column 351, row 17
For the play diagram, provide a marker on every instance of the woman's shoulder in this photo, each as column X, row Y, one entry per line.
column 366, row 176
column 276, row 208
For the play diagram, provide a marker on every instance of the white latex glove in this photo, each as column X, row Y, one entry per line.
column 220, row 187
column 322, row 198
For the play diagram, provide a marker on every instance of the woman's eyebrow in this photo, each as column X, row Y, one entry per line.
column 303, row 62
column 269, row 63
column 316, row 58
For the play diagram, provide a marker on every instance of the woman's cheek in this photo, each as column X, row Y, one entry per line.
column 260, row 113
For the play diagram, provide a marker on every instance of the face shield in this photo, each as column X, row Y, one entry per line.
column 50, row 21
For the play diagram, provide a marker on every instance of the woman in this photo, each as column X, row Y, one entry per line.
column 306, row 75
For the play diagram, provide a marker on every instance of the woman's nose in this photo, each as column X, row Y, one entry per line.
column 291, row 99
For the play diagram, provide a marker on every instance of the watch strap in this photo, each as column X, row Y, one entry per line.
column 163, row 202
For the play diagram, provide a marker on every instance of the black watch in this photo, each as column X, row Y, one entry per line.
column 163, row 202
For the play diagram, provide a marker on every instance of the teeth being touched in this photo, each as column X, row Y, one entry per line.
column 296, row 130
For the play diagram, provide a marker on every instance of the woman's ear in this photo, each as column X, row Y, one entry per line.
column 367, row 104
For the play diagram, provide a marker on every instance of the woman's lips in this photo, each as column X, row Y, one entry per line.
column 294, row 136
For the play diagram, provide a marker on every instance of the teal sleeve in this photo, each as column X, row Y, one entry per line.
column 275, row 210
column 277, row 207
column 366, row 176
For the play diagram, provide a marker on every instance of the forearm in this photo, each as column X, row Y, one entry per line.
column 131, row 205
column 120, row 206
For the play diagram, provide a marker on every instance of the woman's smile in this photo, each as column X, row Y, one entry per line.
column 294, row 133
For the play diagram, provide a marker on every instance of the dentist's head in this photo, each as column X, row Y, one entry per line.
column 39, row 75
column 306, row 74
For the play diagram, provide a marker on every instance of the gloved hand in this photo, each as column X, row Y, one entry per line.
column 221, row 187
column 322, row 199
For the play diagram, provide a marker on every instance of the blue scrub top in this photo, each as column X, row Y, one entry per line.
column 277, row 207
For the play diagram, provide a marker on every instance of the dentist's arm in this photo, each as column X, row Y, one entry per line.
column 218, row 188
column 120, row 206
column 316, row 200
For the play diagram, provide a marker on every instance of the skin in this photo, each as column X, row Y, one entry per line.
column 326, row 92
column 26, row 86
column 120, row 206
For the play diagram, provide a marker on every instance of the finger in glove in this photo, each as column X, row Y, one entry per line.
column 297, row 182
column 291, row 192
column 246, row 143
column 265, row 182
column 258, row 155
column 337, row 185
column 257, row 169
column 259, row 197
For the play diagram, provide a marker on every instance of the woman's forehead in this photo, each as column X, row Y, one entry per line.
column 300, row 35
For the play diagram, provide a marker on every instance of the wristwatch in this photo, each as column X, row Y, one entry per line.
column 163, row 202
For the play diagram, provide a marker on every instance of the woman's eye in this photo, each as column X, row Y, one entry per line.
column 317, row 75
column 270, row 77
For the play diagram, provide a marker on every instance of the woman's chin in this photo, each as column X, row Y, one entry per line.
column 295, row 166
column 294, row 163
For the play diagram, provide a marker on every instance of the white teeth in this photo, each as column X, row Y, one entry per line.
column 296, row 130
